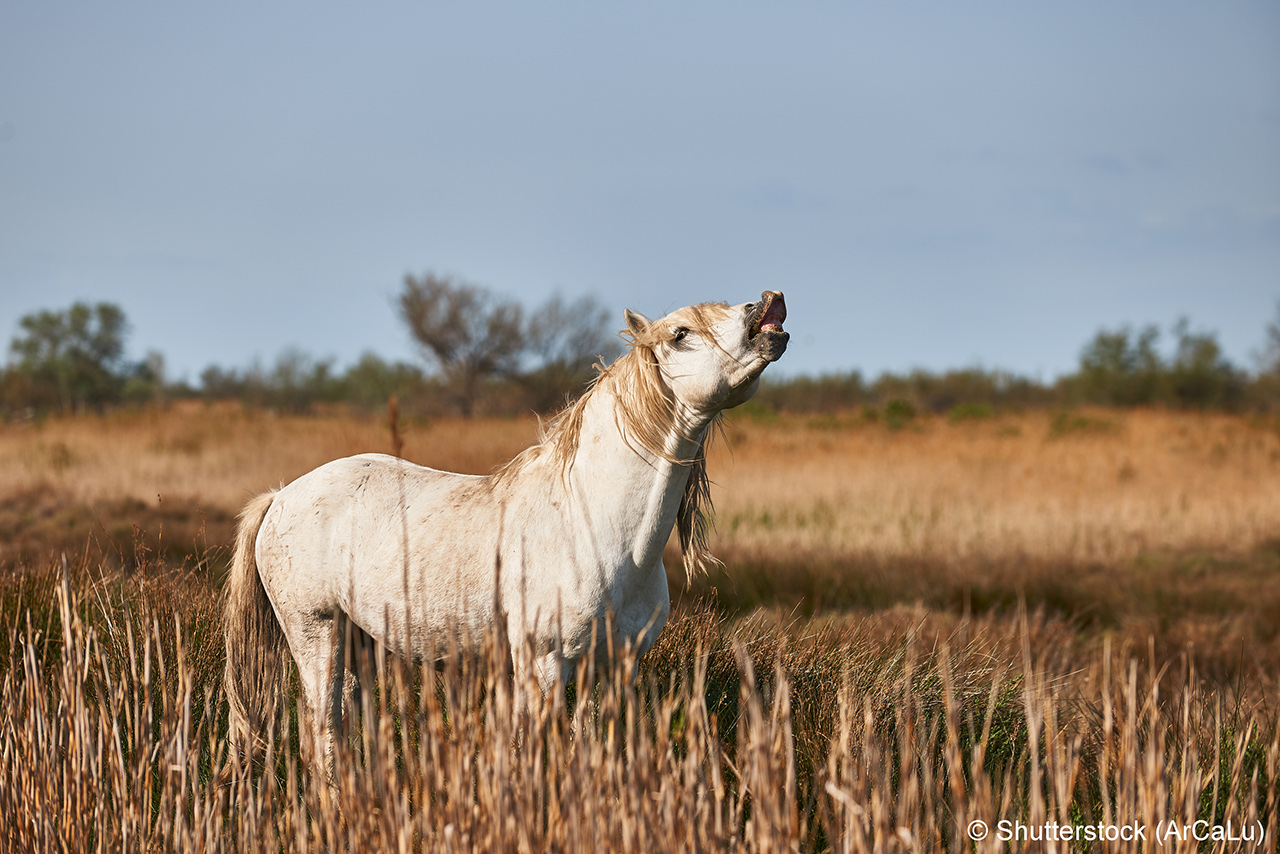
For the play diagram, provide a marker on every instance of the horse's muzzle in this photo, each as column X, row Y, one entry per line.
column 764, row 325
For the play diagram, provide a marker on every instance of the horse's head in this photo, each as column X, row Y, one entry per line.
column 711, row 355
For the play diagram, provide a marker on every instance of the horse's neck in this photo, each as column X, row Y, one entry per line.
column 628, row 492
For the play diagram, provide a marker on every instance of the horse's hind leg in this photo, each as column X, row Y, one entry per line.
column 322, row 672
column 352, row 669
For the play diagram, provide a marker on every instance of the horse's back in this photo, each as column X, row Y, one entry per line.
column 340, row 534
column 372, row 481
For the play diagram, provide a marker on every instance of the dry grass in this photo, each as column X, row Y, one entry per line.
column 736, row 737
column 1145, row 524
column 221, row 455
column 1030, row 617
column 180, row 476
column 1102, row 487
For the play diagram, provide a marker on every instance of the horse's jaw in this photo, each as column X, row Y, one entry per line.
column 764, row 321
column 746, row 389
column 692, row 420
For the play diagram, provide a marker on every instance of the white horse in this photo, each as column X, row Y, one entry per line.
column 568, row 532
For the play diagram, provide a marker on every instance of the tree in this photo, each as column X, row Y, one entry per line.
column 372, row 381
column 1201, row 376
column 72, row 359
column 471, row 334
column 1268, row 358
column 217, row 383
column 1117, row 369
column 298, row 381
column 565, row 339
column 144, row 382
column 1266, row 385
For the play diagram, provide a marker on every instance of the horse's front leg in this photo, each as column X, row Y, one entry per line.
column 553, row 671
column 641, row 620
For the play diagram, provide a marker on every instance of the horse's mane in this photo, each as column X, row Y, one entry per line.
column 645, row 413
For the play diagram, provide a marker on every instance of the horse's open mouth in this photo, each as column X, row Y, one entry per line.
column 768, row 314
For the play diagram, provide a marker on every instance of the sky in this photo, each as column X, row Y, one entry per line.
column 932, row 185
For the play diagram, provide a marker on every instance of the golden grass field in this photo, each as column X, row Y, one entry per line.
column 1038, row 617
column 1102, row 487
column 1163, row 523
column 1095, row 487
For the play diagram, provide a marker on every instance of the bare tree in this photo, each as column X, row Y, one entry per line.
column 467, row 331
column 564, row 340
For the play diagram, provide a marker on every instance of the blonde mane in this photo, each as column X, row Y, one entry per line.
column 645, row 414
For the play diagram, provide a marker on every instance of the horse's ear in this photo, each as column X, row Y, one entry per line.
column 637, row 323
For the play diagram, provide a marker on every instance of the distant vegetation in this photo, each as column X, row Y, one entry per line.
column 486, row 354
column 1120, row 367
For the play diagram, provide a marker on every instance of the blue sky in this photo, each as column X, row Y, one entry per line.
column 932, row 185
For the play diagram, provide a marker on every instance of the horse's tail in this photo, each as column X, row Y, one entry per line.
column 255, row 643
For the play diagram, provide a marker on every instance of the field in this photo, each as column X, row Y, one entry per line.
column 1045, row 618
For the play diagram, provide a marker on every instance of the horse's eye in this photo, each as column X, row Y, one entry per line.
column 681, row 334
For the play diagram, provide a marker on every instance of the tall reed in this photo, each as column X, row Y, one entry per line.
column 112, row 738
